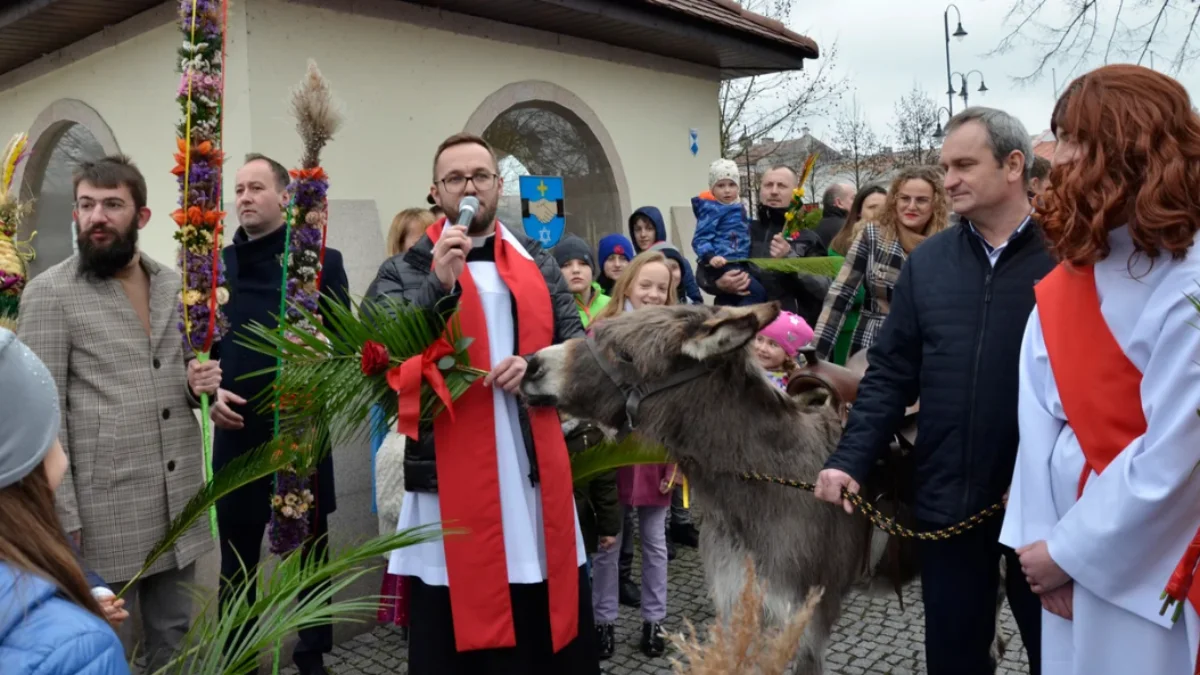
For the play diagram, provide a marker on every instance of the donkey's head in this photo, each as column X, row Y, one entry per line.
column 701, row 349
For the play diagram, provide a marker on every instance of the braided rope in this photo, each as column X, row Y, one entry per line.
column 887, row 525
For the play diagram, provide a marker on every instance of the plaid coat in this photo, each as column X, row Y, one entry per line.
column 128, row 426
column 872, row 263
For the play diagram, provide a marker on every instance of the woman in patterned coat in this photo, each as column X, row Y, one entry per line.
column 916, row 208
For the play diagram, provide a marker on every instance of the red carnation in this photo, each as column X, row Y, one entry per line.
column 375, row 358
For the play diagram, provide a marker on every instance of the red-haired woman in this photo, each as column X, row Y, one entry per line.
column 1104, row 501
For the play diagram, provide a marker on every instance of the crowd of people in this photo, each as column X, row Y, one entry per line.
column 1040, row 312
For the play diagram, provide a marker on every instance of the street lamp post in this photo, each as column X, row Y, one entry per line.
column 963, row 80
column 940, row 133
column 958, row 33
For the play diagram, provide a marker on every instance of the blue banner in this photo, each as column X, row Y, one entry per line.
column 542, row 211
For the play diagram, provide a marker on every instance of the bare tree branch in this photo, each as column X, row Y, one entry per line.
column 755, row 109
column 1072, row 39
column 862, row 156
column 915, row 121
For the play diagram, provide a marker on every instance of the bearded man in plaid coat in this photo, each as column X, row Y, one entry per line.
column 104, row 322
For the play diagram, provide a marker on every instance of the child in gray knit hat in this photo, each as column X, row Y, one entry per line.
column 723, row 232
column 49, row 620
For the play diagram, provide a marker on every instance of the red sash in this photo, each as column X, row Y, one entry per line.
column 469, row 482
column 1100, row 388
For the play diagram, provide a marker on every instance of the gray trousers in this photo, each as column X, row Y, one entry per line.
column 163, row 604
column 605, row 569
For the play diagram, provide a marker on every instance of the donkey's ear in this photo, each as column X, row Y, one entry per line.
column 730, row 328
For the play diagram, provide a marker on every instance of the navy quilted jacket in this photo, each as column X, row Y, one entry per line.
column 41, row 633
column 953, row 339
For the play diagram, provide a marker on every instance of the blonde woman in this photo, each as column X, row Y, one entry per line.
column 916, row 208
column 407, row 228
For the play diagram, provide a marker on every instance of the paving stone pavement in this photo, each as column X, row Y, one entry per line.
column 875, row 635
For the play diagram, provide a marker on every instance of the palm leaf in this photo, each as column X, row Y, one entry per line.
column 228, row 642
column 321, row 376
column 826, row 266
column 607, row 456
column 240, row 472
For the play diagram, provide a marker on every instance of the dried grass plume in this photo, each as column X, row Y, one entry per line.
column 317, row 114
column 743, row 647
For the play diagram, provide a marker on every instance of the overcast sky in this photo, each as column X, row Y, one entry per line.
column 885, row 47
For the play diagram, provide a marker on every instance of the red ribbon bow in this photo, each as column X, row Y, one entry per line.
column 405, row 380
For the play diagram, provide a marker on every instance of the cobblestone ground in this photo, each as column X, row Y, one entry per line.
column 875, row 635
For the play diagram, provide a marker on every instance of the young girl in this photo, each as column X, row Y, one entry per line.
column 916, row 208
column 776, row 346
column 52, row 623
column 646, row 488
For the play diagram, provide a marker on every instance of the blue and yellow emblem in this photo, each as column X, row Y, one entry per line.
column 542, row 211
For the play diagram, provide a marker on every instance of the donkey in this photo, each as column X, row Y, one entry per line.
column 683, row 377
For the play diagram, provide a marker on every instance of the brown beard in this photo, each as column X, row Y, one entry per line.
column 104, row 262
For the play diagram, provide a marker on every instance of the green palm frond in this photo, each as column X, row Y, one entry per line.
column 228, row 642
column 321, row 376
column 827, row 266
column 608, row 456
column 242, row 471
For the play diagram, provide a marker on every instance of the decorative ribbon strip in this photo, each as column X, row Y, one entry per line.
column 405, row 379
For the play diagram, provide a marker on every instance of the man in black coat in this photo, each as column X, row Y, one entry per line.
column 254, row 273
column 835, row 206
column 802, row 294
column 952, row 340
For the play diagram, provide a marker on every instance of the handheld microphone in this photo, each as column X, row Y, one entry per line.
column 466, row 210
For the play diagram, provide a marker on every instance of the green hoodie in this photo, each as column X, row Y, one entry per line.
column 599, row 300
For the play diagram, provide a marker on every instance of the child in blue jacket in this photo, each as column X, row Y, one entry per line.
column 723, row 232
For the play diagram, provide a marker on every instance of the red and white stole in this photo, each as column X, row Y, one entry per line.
column 1100, row 388
column 469, row 481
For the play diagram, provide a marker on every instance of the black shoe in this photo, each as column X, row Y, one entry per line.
column 629, row 594
column 314, row 670
column 653, row 644
column 605, row 642
column 685, row 535
column 670, row 550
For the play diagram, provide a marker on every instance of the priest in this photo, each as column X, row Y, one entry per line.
column 1105, row 499
column 509, row 593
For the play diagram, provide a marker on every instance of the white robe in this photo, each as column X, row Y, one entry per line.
column 1122, row 539
column 520, row 501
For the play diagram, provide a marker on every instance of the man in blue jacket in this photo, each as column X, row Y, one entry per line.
column 252, row 267
column 952, row 340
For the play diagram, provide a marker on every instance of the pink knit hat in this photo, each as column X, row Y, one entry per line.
column 789, row 331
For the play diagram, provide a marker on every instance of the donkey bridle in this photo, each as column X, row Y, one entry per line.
column 634, row 389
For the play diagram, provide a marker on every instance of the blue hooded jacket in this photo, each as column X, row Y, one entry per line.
column 690, row 289
column 44, row 633
column 652, row 214
column 721, row 230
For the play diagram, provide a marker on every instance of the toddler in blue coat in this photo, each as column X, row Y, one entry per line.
column 723, row 232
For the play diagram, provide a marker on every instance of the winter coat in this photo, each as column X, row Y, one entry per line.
column 953, row 340
column 42, row 633
column 801, row 294
column 253, row 268
column 596, row 500
column 639, row 485
column 599, row 301
column 410, row 277
column 688, row 291
column 721, row 230
column 832, row 220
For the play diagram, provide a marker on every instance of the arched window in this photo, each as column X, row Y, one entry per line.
column 540, row 129
column 66, row 133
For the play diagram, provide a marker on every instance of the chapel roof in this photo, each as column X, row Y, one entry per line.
column 715, row 33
